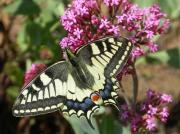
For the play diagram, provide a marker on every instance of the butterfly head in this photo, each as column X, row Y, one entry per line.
column 70, row 55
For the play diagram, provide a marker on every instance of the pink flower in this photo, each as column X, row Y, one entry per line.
column 125, row 115
column 153, row 47
column 68, row 20
column 121, row 18
column 64, row 42
column 137, row 52
column 151, row 124
column 104, row 23
column 77, row 32
column 140, row 23
column 150, row 34
column 114, row 29
column 164, row 114
column 112, row 2
column 149, row 112
column 125, row 112
column 166, row 98
column 135, row 123
column 150, row 93
column 32, row 72
column 83, row 11
column 152, row 110
column 94, row 20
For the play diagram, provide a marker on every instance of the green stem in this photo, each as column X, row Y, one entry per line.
column 135, row 85
column 56, row 25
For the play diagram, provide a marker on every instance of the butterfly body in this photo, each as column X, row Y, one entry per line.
column 82, row 77
column 79, row 85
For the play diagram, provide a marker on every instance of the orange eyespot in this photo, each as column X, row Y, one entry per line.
column 95, row 97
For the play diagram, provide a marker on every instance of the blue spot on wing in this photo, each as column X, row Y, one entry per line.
column 108, row 81
column 88, row 101
column 76, row 105
column 70, row 103
column 102, row 94
column 107, row 87
column 106, row 92
column 85, row 105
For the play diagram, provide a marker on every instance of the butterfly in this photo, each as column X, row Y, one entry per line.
column 78, row 85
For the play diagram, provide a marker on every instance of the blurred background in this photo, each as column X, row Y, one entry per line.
column 30, row 33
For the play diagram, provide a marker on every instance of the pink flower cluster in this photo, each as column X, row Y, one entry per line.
column 85, row 21
column 144, row 24
column 150, row 112
column 32, row 72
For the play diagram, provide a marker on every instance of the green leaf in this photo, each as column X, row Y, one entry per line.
column 170, row 57
column 12, row 69
column 109, row 125
column 22, row 38
column 12, row 92
column 56, row 7
column 11, row 8
column 60, row 9
column 144, row 3
column 81, row 126
column 45, row 17
column 34, row 31
column 23, row 7
column 172, row 8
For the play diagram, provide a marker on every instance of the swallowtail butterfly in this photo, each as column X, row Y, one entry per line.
column 79, row 85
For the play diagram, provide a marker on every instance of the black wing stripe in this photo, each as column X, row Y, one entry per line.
column 98, row 61
column 54, row 86
column 100, row 46
column 38, row 82
column 120, row 57
column 108, row 54
column 38, row 106
column 101, row 60
column 106, row 58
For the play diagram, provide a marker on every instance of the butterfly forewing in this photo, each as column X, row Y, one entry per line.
column 107, row 55
column 45, row 93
